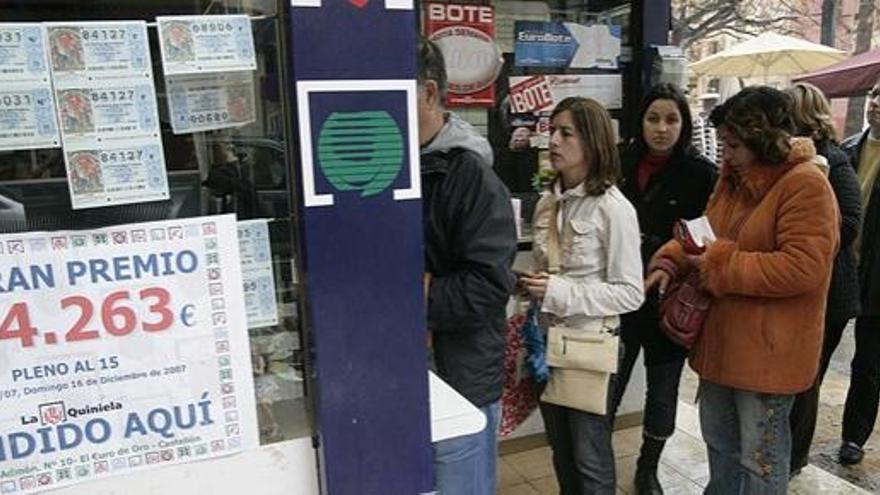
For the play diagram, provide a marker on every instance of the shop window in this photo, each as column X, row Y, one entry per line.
column 243, row 170
column 587, row 51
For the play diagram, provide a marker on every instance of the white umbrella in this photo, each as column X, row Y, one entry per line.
column 769, row 54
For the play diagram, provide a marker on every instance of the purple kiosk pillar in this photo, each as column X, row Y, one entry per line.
column 353, row 62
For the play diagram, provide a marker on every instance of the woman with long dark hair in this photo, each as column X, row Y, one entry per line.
column 666, row 180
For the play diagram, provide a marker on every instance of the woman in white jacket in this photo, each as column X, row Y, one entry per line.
column 600, row 274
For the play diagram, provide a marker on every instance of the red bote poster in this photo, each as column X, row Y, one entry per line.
column 466, row 36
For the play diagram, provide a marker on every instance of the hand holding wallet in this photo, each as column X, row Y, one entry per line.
column 693, row 235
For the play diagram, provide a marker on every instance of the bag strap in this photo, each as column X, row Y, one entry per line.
column 553, row 249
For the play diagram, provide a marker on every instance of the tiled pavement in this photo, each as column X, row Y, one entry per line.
column 684, row 466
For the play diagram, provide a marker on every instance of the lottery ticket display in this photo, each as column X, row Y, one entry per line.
column 256, row 273
column 27, row 105
column 107, row 112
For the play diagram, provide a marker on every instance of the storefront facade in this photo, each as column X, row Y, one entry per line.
column 311, row 376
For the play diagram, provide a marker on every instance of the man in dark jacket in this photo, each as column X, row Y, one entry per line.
column 860, row 411
column 470, row 243
column 842, row 300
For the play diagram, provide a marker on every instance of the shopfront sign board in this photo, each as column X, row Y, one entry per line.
column 566, row 45
column 121, row 349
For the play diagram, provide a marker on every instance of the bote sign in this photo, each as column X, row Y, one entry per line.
column 466, row 36
column 530, row 94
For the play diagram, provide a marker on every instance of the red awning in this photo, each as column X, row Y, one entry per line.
column 852, row 77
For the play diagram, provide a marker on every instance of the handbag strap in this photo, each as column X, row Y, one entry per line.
column 553, row 256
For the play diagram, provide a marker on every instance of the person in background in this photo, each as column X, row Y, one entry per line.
column 812, row 119
column 666, row 180
column 776, row 222
column 519, row 139
column 860, row 411
column 470, row 243
column 600, row 274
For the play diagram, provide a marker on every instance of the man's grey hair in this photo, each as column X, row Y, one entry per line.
column 432, row 67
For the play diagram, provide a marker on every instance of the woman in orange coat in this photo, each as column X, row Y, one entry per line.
column 776, row 221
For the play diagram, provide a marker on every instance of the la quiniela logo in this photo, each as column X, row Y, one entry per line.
column 360, row 151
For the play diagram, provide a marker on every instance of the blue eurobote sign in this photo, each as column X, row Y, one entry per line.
column 566, row 44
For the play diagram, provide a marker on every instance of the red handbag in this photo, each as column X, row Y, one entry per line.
column 684, row 309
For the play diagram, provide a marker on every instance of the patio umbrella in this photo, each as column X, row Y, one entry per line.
column 852, row 77
column 769, row 54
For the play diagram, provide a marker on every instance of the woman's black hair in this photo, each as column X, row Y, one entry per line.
column 666, row 91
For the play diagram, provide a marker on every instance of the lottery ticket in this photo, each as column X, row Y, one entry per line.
column 215, row 43
column 210, row 101
column 256, row 273
column 98, row 50
column 100, row 111
column 133, row 172
column 22, row 53
column 27, row 117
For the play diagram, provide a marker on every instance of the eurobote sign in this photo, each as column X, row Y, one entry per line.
column 358, row 136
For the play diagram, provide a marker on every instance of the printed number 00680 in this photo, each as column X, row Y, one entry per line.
column 116, row 319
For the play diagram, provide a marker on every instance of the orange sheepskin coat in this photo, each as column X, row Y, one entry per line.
column 764, row 330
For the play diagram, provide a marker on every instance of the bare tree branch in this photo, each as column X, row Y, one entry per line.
column 695, row 20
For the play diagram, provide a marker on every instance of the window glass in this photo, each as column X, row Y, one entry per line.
column 243, row 170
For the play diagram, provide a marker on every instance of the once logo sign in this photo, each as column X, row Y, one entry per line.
column 360, row 151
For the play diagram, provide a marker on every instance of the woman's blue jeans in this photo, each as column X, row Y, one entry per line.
column 749, row 440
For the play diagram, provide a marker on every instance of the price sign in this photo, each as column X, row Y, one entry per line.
column 121, row 349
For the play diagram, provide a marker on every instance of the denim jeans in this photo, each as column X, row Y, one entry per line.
column 466, row 465
column 582, row 455
column 749, row 440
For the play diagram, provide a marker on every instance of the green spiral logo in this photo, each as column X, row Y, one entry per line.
column 360, row 151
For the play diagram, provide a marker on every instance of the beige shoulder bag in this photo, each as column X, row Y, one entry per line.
column 581, row 360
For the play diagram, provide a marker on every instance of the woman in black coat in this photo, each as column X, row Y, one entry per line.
column 666, row 180
column 812, row 116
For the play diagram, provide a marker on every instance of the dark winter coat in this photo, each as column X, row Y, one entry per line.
column 681, row 190
column 470, row 244
column 843, row 295
column 869, row 255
